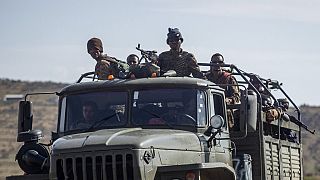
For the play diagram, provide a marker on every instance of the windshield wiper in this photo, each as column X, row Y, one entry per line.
column 101, row 121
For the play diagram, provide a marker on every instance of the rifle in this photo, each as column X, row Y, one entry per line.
column 111, row 59
column 147, row 55
column 293, row 119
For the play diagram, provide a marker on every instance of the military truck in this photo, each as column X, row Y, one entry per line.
column 163, row 128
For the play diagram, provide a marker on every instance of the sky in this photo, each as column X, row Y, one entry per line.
column 43, row 40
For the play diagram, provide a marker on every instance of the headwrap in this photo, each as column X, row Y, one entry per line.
column 94, row 43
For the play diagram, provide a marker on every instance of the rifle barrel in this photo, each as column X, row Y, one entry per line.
column 299, row 123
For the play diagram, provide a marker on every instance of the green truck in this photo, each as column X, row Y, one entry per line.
column 163, row 128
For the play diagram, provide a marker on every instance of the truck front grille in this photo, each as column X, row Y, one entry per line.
column 96, row 167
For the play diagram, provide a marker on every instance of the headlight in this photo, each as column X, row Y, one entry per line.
column 217, row 121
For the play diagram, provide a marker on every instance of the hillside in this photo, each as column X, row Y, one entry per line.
column 311, row 148
column 45, row 115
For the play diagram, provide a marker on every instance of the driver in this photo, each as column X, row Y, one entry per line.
column 89, row 110
column 89, row 113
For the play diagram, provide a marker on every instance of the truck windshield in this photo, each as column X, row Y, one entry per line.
column 169, row 107
column 95, row 111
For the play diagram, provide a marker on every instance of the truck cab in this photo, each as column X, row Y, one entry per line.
column 143, row 129
column 148, row 128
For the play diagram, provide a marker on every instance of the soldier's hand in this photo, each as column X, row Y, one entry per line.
column 229, row 101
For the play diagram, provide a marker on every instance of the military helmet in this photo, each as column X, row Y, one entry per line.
column 283, row 100
column 217, row 58
column 284, row 103
column 94, row 43
column 174, row 34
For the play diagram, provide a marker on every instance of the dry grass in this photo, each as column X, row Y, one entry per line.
column 45, row 118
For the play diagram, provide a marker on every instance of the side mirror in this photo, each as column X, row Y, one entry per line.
column 33, row 158
column 247, row 115
column 25, row 116
column 252, row 111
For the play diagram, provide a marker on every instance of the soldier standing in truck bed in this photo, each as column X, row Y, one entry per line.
column 106, row 67
column 182, row 62
column 219, row 76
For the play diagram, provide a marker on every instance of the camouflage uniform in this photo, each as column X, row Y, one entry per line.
column 143, row 70
column 183, row 63
column 109, row 66
column 232, row 92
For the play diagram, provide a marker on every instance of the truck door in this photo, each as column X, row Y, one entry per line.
column 217, row 106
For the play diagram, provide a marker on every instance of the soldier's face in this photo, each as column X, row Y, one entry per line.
column 174, row 44
column 88, row 113
column 216, row 66
column 132, row 61
column 94, row 52
column 216, row 62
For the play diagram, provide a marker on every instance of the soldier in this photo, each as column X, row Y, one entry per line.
column 221, row 77
column 89, row 110
column 182, row 62
column 284, row 104
column 132, row 59
column 106, row 67
column 89, row 113
column 142, row 70
column 265, row 96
